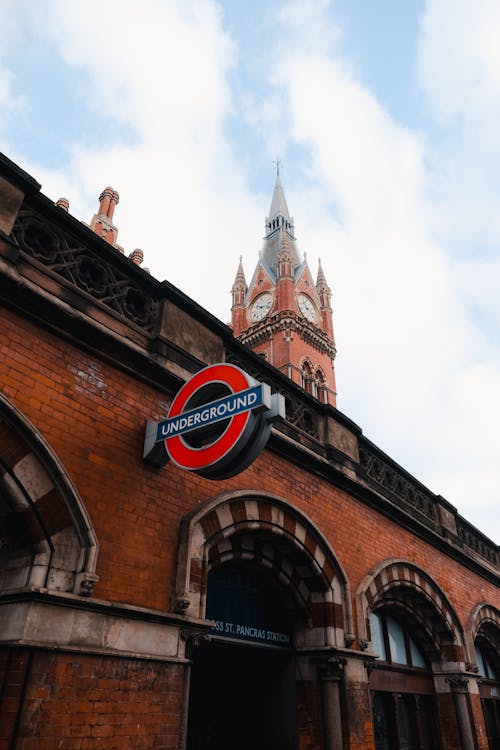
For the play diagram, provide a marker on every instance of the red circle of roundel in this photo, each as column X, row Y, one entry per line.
column 198, row 458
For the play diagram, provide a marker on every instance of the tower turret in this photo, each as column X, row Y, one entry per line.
column 238, row 291
column 325, row 296
column 283, row 315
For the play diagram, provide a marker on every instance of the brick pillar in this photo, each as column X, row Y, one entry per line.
column 358, row 698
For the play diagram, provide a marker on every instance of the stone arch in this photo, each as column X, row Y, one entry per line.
column 260, row 527
column 414, row 593
column 47, row 537
column 319, row 374
column 483, row 622
column 321, row 384
column 307, row 372
column 306, row 367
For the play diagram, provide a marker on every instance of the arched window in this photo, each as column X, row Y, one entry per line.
column 485, row 664
column 394, row 642
column 321, row 388
column 308, row 383
column 487, row 652
column 404, row 714
column 412, row 631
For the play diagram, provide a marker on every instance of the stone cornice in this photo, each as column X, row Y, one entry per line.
column 288, row 321
column 41, row 618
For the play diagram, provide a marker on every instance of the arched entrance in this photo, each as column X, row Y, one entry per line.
column 243, row 686
column 264, row 575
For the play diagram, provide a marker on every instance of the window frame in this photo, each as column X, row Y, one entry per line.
column 382, row 617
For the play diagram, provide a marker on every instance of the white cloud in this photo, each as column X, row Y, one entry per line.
column 459, row 73
column 411, row 362
column 459, row 59
column 413, row 367
column 9, row 102
column 154, row 64
column 160, row 68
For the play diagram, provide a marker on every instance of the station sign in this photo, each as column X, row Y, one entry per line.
column 217, row 424
column 247, row 604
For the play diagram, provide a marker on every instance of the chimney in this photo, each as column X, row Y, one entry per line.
column 63, row 203
column 136, row 256
column 102, row 222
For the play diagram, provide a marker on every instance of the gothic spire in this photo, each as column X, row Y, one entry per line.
column 321, row 280
column 279, row 225
column 240, row 281
column 324, row 291
column 278, row 203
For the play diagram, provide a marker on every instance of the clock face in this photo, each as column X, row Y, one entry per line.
column 261, row 307
column 307, row 308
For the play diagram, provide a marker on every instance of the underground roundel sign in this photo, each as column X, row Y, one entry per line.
column 217, row 424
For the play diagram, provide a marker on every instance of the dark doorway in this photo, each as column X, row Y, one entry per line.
column 242, row 697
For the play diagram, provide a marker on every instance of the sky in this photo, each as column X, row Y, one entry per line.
column 385, row 117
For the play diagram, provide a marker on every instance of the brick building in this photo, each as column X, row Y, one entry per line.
column 320, row 598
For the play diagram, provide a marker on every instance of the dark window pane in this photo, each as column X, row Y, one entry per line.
column 427, row 722
column 479, row 661
column 406, row 723
column 381, row 721
column 417, row 658
column 491, row 710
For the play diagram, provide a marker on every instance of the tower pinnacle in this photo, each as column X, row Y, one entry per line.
column 278, row 204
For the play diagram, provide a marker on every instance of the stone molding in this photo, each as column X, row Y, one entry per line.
column 205, row 540
column 398, row 574
column 69, row 623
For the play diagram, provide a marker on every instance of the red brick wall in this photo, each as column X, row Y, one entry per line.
column 74, row 702
column 358, row 712
column 93, row 416
column 478, row 718
column 309, row 719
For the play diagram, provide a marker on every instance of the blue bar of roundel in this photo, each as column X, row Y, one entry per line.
column 215, row 411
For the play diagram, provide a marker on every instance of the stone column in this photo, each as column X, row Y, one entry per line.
column 459, row 690
column 331, row 673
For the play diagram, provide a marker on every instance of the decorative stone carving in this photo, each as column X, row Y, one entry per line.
column 332, row 668
column 103, row 279
column 470, row 537
column 85, row 583
column 181, row 605
column 194, row 639
column 470, row 667
column 370, row 665
column 457, row 683
column 407, row 492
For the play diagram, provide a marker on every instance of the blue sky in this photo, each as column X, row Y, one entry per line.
column 385, row 115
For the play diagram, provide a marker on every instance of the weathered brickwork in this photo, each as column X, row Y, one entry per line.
column 308, row 716
column 70, row 701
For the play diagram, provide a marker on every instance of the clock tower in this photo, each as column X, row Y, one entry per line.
column 282, row 314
